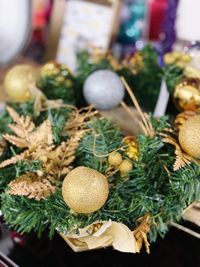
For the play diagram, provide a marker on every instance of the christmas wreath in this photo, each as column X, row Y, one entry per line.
column 74, row 172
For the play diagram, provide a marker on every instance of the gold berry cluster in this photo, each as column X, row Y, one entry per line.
column 59, row 72
column 116, row 162
column 178, row 58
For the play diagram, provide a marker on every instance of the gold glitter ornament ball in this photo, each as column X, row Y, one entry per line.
column 85, row 190
column 189, row 136
column 17, row 81
column 187, row 95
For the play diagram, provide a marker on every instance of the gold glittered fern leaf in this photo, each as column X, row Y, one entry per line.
column 22, row 128
column 12, row 160
column 31, row 186
column 60, row 159
column 78, row 119
column 140, row 233
column 182, row 158
column 42, row 136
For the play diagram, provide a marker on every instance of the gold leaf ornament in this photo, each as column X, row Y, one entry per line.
column 31, row 186
column 22, row 128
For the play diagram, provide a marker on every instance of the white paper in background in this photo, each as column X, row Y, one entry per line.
column 188, row 20
column 162, row 101
column 84, row 24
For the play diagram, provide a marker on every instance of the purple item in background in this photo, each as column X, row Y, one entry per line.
column 169, row 31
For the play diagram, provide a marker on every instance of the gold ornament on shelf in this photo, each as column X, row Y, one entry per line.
column 85, row 190
column 189, row 136
column 18, row 80
column 187, row 94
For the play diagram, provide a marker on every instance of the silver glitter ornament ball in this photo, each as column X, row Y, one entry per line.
column 103, row 89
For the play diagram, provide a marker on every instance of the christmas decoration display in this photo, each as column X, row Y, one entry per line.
column 74, row 172
column 182, row 75
column 189, row 136
column 141, row 70
column 187, row 94
column 17, row 82
column 56, row 81
column 85, row 190
column 103, row 89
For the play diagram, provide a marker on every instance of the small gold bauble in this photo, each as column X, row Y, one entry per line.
column 132, row 147
column 17, row 81
column 169, row 58
column 53, row 68
column 115, row 159
column 126, row 166
column 85, row 190
column 178, row 58
column 189, row 136
column 187, row 95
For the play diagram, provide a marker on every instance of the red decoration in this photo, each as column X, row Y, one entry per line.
column 157, row 10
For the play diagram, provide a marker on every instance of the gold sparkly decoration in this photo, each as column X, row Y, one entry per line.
column 38, row 142
column 18, row 80
column 132, row 148
column 140, row 233
column 125, row 167
column 135, row 63
column 182, row 158
column 56, row 82
column 178, row 58
column 51, row 68
column 187, row 95
column 31, row 186
column 98, row 56
column 115, row 159
column 85, row 190
column 61, row 73
column 2, row 145
column 182, row 117
column 191, row 72
column 189, row 136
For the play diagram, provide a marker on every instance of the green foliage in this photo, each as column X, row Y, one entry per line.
column 172, row 74
column 58, row 90
column 145, row 84
column 5, row 120
column 9, row 173
column 58, row 118
column 25, row 109
column 97, row 144
column 153, row 187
